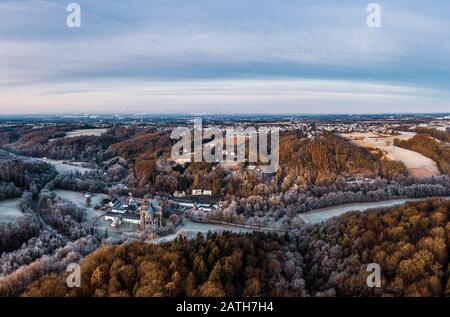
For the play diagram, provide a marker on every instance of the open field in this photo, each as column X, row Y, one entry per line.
column 418, row 165
column 79, row 200
column 10, row 210
column 323, row 214
column 66, row 168
column 85, row 132
column 93, row 216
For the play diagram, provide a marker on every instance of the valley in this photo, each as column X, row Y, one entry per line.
column 106, row 188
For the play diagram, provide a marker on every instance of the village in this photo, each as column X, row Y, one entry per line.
column 134, row 214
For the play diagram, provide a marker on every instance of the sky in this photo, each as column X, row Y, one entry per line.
column 224, row 56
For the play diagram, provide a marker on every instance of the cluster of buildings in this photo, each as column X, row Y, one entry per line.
column 135, row 211
column 353, row 127
column 359, row 180
column 200, row 199
column 441, row 125
column 195, row 203
column 144, row 212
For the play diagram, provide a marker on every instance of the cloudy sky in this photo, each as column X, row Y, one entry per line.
column 224, row 56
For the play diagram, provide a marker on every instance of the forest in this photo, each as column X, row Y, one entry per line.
column 410, row 243
column 303, row 162
column 63, row 216
column 321, row 159
column 141, row 158
column 36, row 263
column 26, row 174
column 437, row 134
column 429, row 147
column 327, row 259
column 52, row 143
column 24, row 179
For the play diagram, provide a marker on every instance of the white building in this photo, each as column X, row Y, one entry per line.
column 110, row 217
column 134, row 219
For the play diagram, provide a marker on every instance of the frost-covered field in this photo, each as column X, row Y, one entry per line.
column 65, row 168
column 92, row 216
column 418, row 165
column 323, row 214
column 79, row 200
column 60, row 166
column 10, row 210
column 85, row 132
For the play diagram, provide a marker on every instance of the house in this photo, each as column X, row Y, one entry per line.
column 114, row 202
column 179, row 194
column 206, row 207
column 109, row 216
column 128, row 205
column 114, row 218
column 118, row 209
column 131, row 218
column 117, row 219
column 201, row 192
column 185, row 202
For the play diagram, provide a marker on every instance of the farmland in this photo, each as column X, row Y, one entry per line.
column 418, row 165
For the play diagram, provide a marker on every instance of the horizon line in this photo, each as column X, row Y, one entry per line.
column 205, row 114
